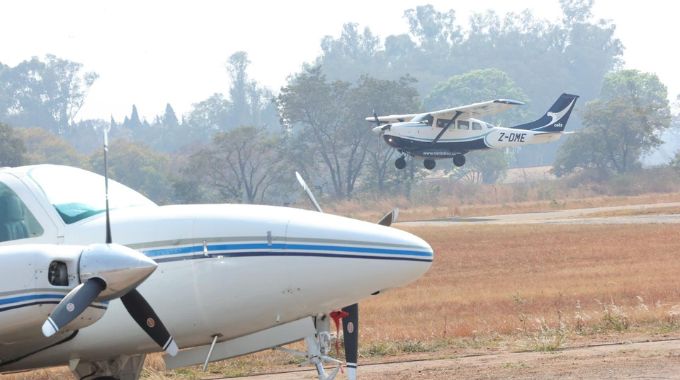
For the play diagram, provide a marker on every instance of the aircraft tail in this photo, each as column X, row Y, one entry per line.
column 556, row 118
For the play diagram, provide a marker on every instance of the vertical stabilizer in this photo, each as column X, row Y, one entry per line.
column 556, row 118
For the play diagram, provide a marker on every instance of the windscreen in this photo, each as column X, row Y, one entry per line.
column 77, row 194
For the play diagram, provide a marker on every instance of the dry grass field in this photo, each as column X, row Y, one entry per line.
column 510, row 287
column 448, row 207
column 533, row 280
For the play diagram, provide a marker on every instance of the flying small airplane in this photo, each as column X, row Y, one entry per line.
column 453, row 132
column 227, row 279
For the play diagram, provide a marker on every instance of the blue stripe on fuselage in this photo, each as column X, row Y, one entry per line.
column 31, row 297
column 265, row 249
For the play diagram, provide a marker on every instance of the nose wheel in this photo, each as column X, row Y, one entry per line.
column 429, row 164
column 459, row 160
column 400, row 163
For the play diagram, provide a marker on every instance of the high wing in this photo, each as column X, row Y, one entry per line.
column 477, row 110
column 392, row 118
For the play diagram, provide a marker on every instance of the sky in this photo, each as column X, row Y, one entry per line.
column 153, row 52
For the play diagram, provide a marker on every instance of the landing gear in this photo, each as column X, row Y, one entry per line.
column 318, row 350
column 459, row 160
column 429, row 164
column 400, row 163
column 121, row 368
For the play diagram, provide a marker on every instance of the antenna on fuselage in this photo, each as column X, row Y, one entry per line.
column 309, row 193
column 109, row 239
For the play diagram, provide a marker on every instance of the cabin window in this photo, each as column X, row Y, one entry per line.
column 463, row 124
column 16, row 221
column 441, row 123
column 476, row 126
column 423, row 118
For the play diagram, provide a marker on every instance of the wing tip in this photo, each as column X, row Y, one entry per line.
column 511, row 102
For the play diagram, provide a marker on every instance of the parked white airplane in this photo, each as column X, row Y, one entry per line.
column 228, row 279
column 453, row 132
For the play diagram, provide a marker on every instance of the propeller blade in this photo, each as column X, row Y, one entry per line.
column 350, row 334
column 375, row 117
column 308, row 191
column 146, row 318
column 389, row 218
column 71, row 306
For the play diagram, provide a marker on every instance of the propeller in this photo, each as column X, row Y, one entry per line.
column 379, row 129
column 309, row 193
column 350, row 334
column 71, row 306
column 109, row 271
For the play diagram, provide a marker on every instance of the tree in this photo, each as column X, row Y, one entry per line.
column 251, row 104
column 240, row 110
column 386, row 97
column 432, row 29
column 138, row 167
column 621, row 125
column 44, row 147
column 209, row 115
column 353, row 54
column 240, row 165
column 133, row 122
column 476, row 86
column 12, row 148
column 321, row 112
column 169, row 119
column 44, row 93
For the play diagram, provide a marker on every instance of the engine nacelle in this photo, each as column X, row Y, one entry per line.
column 40, row 276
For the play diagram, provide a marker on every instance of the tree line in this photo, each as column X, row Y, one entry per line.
column 244, row 144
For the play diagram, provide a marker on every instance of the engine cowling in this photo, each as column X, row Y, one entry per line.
column 36, row 279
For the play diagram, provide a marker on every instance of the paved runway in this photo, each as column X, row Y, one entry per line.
column 638, row 214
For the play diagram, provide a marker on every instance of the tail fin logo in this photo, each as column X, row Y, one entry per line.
column 557, row 116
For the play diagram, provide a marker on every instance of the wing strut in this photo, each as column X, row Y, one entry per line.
column 446, row 127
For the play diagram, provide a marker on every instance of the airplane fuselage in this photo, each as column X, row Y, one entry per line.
column 416, row 139
column 224, row 270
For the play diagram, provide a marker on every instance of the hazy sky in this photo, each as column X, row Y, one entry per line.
column 153, row 52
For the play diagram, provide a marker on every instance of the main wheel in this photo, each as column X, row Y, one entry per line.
column 459, row 160
column 400, row 163
column 429, row 164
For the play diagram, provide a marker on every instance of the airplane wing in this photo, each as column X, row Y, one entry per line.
column 392, row 118
column 475, row 110
column 478, row 110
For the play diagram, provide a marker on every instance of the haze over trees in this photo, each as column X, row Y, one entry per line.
column 12, row 148
column 244, row 143
column 621, row 125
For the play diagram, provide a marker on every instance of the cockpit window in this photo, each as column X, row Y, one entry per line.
column 78, row 194
column 16, row 221
column 424, row 118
